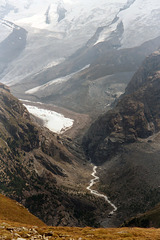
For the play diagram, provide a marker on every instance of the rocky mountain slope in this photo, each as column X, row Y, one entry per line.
column 38, row 170
column 103, row 75
column 125, row 143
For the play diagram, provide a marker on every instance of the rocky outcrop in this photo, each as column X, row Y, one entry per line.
column 145, row 74
column 4, row 87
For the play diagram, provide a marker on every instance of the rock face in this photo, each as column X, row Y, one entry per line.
column 135, row 116
column 37, row 170
column 125, row 142
column 145, row 73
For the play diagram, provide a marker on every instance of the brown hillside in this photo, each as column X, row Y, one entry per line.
column 11, row 210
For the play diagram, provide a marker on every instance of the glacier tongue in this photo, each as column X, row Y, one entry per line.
column 54, row 121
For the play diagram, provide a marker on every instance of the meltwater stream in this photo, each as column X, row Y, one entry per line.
column 92, row 182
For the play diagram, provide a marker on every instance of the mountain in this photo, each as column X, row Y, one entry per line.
column 79, row 54
column 40, row 172
column 134, row 117
column 42, row 21
column 95, row 86
column 124, row 142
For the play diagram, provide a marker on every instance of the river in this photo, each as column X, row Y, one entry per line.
column 92, row 182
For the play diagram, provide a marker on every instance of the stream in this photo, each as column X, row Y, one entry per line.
column 92, row 182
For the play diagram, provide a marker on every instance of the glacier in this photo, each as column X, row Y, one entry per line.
column 53, row 40
column 54, row 121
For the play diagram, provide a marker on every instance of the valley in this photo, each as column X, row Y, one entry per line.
column 79, row 115
column 38, row 166
column 92, row 183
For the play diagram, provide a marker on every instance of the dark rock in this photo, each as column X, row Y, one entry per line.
column 135, row 116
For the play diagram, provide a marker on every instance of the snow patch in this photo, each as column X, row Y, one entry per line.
column 54, row 121
column 54, row 63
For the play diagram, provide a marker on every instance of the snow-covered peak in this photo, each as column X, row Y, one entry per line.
column 72, row 17
column 58, row 28
column 140, row 20
column 59, row 15
column 16, row 11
